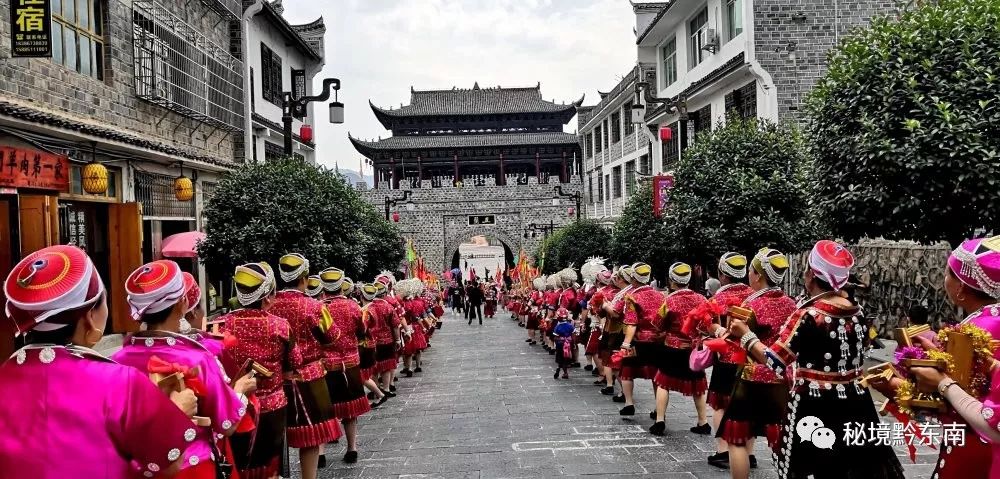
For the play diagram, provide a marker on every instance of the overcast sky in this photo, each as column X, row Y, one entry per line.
column 379, row 48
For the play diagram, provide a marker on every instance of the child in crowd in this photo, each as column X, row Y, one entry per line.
column 563, row 333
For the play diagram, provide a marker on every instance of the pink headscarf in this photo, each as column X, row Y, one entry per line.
column 832, row 262
column 976, row 263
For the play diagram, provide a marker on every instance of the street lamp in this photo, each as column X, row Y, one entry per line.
column 296, row 107
column 576, row 196
column 546, row 230
column 391, row 203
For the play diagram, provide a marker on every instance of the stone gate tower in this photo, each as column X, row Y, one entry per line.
column 479, row 161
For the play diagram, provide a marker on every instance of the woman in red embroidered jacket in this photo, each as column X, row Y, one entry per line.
column 414, row 310
column 265, row 339
column 825, row 339
column 643, row 325
column 310, row 421
column 675, row 373
column 342, row 358
column 732, row 292
column 387, row 333
column 758, row 403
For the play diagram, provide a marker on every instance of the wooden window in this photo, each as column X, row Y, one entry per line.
column 668, row 55
column 742, row 102
column 597, row 134
column 616, row 181
column 616, row 127
column 629, row 178
column 78, row 36
column 270, row 75
column 697, row 38
column 627, row 114
column 671, row 149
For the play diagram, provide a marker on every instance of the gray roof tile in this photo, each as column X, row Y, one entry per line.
column 477, row 101
column 465, row 141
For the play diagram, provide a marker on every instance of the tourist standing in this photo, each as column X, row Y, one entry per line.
column 85, row 416
column 474, row 298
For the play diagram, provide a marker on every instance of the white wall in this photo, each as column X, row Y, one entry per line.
column 262, row 30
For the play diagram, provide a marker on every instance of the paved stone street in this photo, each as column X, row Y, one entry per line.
column 486, row 406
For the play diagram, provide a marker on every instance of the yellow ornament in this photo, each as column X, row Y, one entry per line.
column 95, row 178
column 183, row 188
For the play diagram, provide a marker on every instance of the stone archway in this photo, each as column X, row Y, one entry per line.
column 506, row 229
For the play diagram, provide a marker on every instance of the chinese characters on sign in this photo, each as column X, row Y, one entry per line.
column 31, row 28
column 22, row 168
column 909, row 434
column 482, row 220
column 662, row 184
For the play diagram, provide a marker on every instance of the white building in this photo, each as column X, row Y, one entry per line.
column 615, row 151
column 706, row 59
column 280, row 58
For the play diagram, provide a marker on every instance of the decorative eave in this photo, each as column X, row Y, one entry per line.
column 36, row 116
column 664, row 8
column 291, row 32
column 611, row 97
column 371, row 149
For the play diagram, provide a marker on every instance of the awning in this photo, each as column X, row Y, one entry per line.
column 182, row 245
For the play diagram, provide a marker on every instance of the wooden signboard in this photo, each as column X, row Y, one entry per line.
column 24, row 168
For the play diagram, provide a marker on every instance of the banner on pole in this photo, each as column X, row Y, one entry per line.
column 662, row 184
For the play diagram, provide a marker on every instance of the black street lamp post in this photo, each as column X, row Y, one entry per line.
column 534, row 229
column 576, row 196
column 296, row 107
column 391, row 202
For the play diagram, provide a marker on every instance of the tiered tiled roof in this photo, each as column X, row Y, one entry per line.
column 475, row 101
column 418, row 142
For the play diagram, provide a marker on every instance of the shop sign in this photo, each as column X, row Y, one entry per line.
column 482, row 220
column 23, row 168
column 662, row 184
column 31, row 28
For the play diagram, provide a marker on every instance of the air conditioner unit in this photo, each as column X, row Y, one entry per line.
column 711, row 40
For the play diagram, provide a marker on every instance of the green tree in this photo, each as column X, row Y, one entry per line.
column 573, row 244
column 741, row 188
column 638, row 235
column 264, row 210
column 904, row 125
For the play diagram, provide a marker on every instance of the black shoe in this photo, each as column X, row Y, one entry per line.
column 753, row 462
column 599, row 382
column 703, row 429
column 532, row 343
column 720, row 460
column 608, row 391
column 371, row 395
column 322, row 461
column 407, row 373
column 658, row 428
column 392, row 389
column 552, row 352
column 589, row 367
column 388, row 394
column 596, row 373
column 527, row 340
column 418, row 370
column 576, row 365
column 383, row 400
column 619, row 398
column 652, row 415
column 555, row 375
column 627, row 411
column 351, row 457
column 374, row 405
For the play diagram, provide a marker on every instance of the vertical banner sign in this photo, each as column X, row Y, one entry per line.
column 31, row 28
column 662, row 184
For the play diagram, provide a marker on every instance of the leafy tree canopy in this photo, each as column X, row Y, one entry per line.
column 904, row 125
column 740, row 188
column 264, row 210
column 573, row 244
column 640, row 236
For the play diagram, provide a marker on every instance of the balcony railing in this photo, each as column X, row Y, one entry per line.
column 180, row 69
column 227, row 8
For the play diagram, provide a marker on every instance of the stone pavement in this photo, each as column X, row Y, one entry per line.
column 486, row 406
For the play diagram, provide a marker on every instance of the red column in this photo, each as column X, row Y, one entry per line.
column 538, row 168
column 457, row 178
column 562, row 177
column 503, row 173
column 420, row 169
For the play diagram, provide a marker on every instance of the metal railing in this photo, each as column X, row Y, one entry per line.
column 181, row 70
column 156, row 193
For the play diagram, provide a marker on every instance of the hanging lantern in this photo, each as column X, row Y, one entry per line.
column 395, row 216
column 183, row 188
column 306, row 133
column 571, row 211
column 95, row 178
column 666, row 133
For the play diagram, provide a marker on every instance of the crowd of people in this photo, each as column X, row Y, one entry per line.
column 474, row 299
column 181, row 398
column 781, row 368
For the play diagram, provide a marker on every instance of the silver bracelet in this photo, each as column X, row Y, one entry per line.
column 746, row 339
column 753, row 342
column 944, row 385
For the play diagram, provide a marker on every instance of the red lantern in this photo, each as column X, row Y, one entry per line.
column 666, row 133
column 571, row 211
column 395, row 216
column 306, row 133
